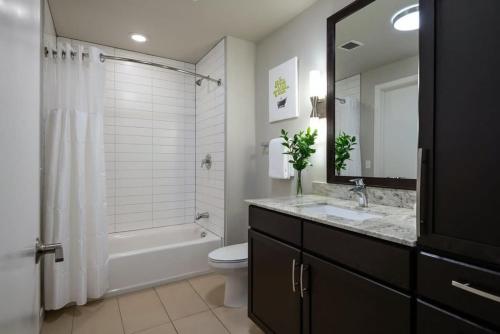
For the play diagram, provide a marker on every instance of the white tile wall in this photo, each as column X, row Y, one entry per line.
column 210, row 138
column 150, row 143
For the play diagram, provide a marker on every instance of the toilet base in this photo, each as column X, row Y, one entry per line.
column 236, row 290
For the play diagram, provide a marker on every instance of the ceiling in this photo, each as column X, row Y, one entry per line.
column 178, row 29
column 382, row 43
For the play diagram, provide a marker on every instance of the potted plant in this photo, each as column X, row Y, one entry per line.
column 300, row 148
column 344, row 144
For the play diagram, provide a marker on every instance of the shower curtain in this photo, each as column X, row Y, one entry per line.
column 74, row 180
column 348, row 120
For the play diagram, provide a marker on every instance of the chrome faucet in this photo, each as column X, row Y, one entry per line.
column 202, row 215
column 360, row 190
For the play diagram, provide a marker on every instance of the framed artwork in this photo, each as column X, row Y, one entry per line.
column 283, row 91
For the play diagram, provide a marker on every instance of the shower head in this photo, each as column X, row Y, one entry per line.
column 198, row 82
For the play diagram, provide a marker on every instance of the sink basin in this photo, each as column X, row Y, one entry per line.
column 330, row 210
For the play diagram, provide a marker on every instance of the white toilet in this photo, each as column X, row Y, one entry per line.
column 232, row 262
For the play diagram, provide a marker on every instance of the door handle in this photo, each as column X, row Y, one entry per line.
column 294, row 266
column 42, row 249
column 467, row 287
column 303, row 267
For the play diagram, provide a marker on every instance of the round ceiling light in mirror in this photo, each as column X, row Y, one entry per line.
column 138, row 38
column 406, row 19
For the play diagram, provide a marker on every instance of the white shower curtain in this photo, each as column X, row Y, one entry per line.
column 74, row 180
column 348, row 120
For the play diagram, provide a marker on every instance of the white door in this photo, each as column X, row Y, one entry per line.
column 396, row 128
column 19, row 165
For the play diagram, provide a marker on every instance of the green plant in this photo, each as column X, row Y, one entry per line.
column 300, row 148
column 344, row 144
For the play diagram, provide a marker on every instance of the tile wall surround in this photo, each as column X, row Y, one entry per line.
column 149, row 130
column 383, row 196
column 210, row 138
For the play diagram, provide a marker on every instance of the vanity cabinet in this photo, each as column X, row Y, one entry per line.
column 337, row 300
column 274, row 302
column 432, row 319
column 459, row 135
column 315, row 287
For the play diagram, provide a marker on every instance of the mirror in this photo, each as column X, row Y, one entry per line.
column 373, row 81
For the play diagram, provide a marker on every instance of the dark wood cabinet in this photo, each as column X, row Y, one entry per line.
column 337, row 300
column 431, row 319
column 312, row 288
column 273, row 302
column 459, row 132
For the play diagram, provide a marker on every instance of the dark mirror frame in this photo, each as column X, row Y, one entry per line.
column 384, row 182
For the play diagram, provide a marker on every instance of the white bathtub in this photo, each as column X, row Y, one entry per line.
column 145, row 258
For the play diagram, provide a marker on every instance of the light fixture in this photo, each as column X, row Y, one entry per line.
column 406, row 19
column 316, row 93
column 138, row 38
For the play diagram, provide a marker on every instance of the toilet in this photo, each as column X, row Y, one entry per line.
column 232, row 262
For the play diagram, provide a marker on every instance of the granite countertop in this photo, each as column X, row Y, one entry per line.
column 395, row 224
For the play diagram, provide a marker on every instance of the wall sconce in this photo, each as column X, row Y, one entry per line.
column 316, row 95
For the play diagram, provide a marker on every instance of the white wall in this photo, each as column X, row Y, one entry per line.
column 240, row 136
column 149, row 125
column 304, row 37
column 210, row 138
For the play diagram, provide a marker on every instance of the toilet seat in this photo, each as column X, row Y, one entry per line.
column 237, row 254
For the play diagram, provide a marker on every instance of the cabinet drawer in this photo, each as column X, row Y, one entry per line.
column 465, row 288
column 378, row 259
column 431, row 319
column 278, row 225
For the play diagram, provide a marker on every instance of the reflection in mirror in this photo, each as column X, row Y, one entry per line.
column 376, row 90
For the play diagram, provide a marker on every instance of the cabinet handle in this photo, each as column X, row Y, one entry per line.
column 480, row 293
column 294, row 284
column 302, row 289
column 420, row 157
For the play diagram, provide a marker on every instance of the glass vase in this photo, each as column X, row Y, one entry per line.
column 299, row 183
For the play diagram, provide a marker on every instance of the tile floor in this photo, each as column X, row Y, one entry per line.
column 186, row 307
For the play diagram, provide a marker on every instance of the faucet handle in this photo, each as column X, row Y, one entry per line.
column 358, row 182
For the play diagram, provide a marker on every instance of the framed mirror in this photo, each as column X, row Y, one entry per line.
column 372, row 93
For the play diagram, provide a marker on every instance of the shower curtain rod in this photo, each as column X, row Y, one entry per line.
column 103, row 58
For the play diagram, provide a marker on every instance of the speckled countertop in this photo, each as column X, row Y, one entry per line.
column 395, row 224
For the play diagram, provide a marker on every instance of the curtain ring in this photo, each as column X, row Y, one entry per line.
column 63, row 54
column 73, row 54
column 54, row 53
column 46, row 51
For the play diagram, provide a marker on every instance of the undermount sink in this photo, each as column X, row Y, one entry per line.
column 330, row 210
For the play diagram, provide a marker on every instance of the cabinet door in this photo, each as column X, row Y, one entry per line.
column 274, row 298
column 339, row 301
column 431, row 319
column 459, row 131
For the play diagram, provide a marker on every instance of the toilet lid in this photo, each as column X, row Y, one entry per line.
column 233, row 253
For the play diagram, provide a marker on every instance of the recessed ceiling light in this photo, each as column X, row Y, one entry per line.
column 406, row 19
column 138, row 38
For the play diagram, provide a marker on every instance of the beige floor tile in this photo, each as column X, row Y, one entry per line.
column 100, row 317
column 58, row 322
column 201, row 323
column 236, row 320
column 163, row 329
column 180, row 300
column 211, row 289
column 142, row 310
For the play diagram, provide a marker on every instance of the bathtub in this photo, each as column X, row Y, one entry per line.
column 146, row 258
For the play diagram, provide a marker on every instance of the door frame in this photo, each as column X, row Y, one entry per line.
column 378, row 134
